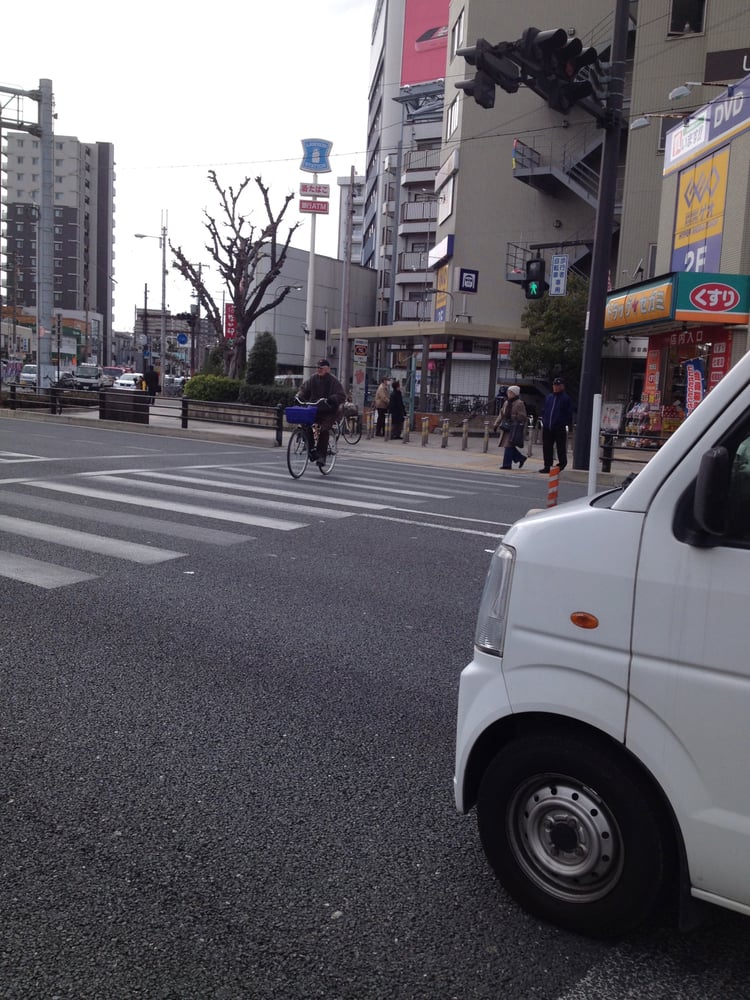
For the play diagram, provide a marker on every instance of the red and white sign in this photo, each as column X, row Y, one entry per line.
column 714, row 297
column 319, row 207
column 230, row 325
column 315, row 190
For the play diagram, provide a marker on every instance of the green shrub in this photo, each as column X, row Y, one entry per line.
column 212, row 388
column 261, row 363
column 267, row 395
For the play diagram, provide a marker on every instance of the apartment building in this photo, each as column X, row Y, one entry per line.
column 83, row 234
column 522, row 180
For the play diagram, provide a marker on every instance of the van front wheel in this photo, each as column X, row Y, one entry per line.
column 574, row 834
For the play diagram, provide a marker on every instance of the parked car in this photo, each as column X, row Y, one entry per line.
column 28, row 375
column 89, row 377
column 129, row 380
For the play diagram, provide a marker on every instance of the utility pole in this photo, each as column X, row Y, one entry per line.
column 590, row 383
column 345, row 288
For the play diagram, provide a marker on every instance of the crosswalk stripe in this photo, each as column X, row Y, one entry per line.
column 236, row 517
column 127, row 521
column 319, row 512
column 115, row 548
column 40, row 574
column 373, row 486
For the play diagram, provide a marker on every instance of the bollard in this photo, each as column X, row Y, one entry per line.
column 608, row 447
column 405, row 433
column 554, row 479
column 486, row 438
column 425, row 431
column 387, row 427
column 370, row 425
column 446, row 428
column 464, row 434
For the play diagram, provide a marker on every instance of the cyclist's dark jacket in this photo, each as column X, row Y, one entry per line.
column 327, row 386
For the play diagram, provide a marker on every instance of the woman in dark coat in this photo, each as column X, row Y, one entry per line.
column 513, row 412
column 397, row 411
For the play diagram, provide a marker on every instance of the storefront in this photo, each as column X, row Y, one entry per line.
column 696, row 325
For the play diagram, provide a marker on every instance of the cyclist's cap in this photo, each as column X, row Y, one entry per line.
column 324, row 363
column 558, row 381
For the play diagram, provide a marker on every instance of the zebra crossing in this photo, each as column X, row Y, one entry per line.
column 96, row 514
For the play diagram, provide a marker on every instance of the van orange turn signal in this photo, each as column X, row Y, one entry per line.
column 584, row 620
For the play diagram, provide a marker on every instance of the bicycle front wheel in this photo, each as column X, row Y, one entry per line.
column 297, row 453
column 351, row 429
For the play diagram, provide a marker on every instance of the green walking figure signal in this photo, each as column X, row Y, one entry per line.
column 535, row 285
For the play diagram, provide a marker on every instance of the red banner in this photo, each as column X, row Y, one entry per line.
column 230, row 327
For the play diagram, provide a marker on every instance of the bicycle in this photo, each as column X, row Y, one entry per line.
column 298, row 449
column 349, row 427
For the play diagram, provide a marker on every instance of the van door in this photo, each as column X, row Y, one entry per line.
column 689, row 716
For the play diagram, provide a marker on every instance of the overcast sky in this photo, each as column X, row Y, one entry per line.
column 181, row 89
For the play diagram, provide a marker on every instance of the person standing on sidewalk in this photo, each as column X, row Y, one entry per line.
column 397, row 411
column 382, row 402
column 557, row 416
column 512, row 423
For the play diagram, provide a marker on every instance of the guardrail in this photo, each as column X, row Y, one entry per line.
column 243, row 414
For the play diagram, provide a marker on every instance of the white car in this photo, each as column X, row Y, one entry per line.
column 129, row 380
column 28, row 375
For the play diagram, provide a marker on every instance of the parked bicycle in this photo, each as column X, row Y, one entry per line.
column 348, row 426
column 298, row 449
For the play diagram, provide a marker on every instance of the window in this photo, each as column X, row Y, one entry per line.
column 665, row 124
column 451, row 121
column 686, row 17
column 457, row 34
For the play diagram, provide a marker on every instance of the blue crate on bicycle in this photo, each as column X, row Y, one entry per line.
column 301, row 414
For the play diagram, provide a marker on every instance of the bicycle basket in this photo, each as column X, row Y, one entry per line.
column 301, row 414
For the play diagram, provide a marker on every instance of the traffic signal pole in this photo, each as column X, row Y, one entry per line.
column 590, row 384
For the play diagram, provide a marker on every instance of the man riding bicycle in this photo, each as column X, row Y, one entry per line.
column 325, row 387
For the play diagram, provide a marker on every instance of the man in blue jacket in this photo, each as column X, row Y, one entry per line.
column 557, row 417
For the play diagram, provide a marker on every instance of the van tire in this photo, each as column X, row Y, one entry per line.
column 574, row 833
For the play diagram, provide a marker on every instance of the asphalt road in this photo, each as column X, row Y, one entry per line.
column 227, row 743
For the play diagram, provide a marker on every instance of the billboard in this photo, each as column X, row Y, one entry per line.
column 699, row 217
column 425, row 50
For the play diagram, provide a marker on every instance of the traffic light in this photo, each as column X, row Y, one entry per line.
column 535, row 286
column 551, row 62
column 494, row 68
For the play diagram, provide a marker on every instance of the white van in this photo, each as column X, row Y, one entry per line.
column 604, row 721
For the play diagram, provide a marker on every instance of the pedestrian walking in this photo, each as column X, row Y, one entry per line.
column 557, row 417
column 397, row 411
column 382, row 402
column 511, row 420
column 151, row 379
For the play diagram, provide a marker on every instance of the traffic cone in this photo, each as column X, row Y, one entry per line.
column 552, row 484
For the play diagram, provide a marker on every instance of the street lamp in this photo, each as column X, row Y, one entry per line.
column 163, row 330
column 443, row 291
column 284, row 288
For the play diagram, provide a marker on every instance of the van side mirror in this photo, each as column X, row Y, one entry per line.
column 712, row 492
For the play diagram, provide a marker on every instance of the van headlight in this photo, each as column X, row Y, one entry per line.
column 493, row 608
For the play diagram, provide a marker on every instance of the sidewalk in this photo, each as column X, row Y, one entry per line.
column 472, row 458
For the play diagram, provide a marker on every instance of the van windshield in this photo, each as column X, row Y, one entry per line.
column 88, row 371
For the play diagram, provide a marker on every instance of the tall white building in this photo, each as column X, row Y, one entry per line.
column 83, row 233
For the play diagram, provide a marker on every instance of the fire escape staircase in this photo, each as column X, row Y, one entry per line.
column 573, row 167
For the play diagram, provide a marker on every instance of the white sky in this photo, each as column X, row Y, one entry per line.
column 183, row 88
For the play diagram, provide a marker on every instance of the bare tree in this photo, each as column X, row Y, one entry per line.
column 239, row 249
